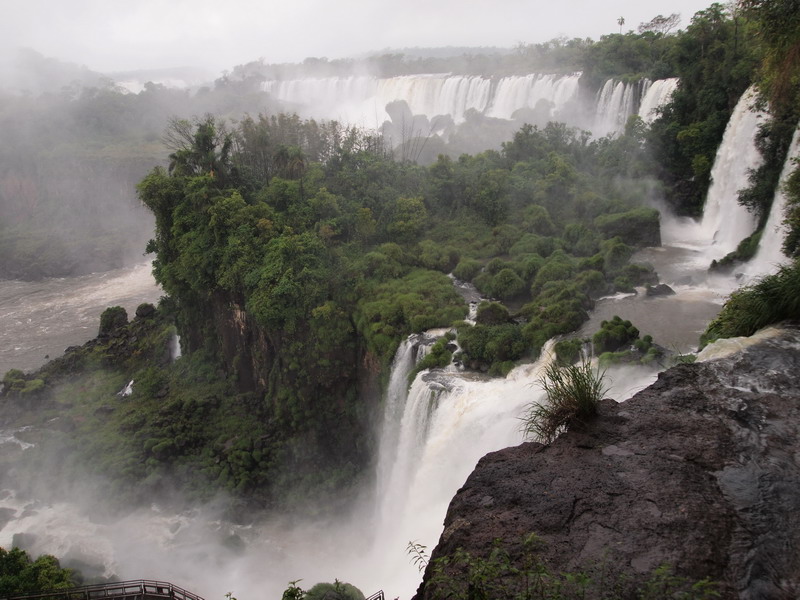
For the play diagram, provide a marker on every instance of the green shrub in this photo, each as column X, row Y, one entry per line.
column 637, row 227
column 14, row 379
column 495, row 265
column 558, row 267
column 488, row 344
column 506, row 285
column 492, row 313
column 571, row 397
column 614, row 334
column 112, row 319
column 438, row 258
column 467, row 269
column 568, row 351
column 439, row 356
column 537, row 220
column 616, row 255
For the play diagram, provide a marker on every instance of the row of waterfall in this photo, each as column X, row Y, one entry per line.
column 362, row 100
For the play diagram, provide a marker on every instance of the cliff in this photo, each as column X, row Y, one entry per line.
column 699, row 471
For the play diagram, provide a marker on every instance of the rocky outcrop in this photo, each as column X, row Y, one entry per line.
column 700, row 471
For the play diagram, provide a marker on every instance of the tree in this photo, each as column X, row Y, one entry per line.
column 408, row 221
column 199, row 147
column 21, row 575
column 660, row 24
column 621, row 22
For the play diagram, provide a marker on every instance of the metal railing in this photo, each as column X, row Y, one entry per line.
column 141, row 589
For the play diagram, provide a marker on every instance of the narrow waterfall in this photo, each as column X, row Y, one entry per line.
column 656, row 94
column 770, row 255
column 449, row 421
column 615, row 102
column 725, row 222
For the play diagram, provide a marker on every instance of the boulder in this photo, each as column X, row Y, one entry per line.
column 661, row 289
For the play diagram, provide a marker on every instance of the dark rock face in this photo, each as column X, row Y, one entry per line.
column 701, row 471
column 661, row 289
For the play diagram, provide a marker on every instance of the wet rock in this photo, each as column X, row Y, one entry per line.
column 661, row 289
column 701, row 470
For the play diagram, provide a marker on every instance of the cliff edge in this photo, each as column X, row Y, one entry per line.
column 700, row 471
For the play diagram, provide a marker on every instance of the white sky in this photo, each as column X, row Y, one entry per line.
column 109, row 35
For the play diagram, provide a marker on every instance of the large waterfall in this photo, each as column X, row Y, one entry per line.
column 362, row 100
column 725, row 222
column 770, row 255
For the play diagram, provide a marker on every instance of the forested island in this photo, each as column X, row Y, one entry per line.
column 296, row 255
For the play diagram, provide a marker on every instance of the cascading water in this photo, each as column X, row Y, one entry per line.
column 769, row 255
column 615, row 102
column 514, row 93
column 656, row 94
column 362, row 100
column 725, row 222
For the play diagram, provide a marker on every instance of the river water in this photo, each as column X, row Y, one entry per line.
column 40, row 319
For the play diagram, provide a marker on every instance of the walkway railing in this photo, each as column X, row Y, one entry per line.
column 141, row 589
column 122, row 590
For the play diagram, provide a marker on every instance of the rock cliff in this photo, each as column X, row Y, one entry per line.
column 700, row 471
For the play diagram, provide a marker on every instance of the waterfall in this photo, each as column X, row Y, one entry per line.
column 529, row 91
column 613, row 105
column 656, row 94
column 362, row 100
column 175, row 347
column 449, row 421
column 770, row 254
column 725, row 222
column 396, row 395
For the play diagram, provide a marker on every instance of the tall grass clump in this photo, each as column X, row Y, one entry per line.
column 571, row 397
column 772, row 299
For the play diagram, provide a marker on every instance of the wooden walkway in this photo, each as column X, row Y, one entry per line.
column 141, row 589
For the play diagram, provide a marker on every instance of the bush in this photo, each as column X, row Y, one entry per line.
column 437, row 258
column 112, row 319
column 467, row 269
column 507, row 285
column 568, row 351
column 571, row 397
column 439, row 356
column 492, row 313
column 614, row 334
column 484, row 345
column 638, row 227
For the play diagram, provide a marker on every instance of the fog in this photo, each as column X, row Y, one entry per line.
column 120, row 36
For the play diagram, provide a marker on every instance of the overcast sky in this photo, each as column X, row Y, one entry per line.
column 111, row 35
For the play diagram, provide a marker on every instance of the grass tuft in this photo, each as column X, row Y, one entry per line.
column 571, row 397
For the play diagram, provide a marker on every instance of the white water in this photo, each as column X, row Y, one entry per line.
column 657, row 94
column 725, row 222
column 614, row 104
column 361, row 100
column 770, row 254
column 42, row 318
